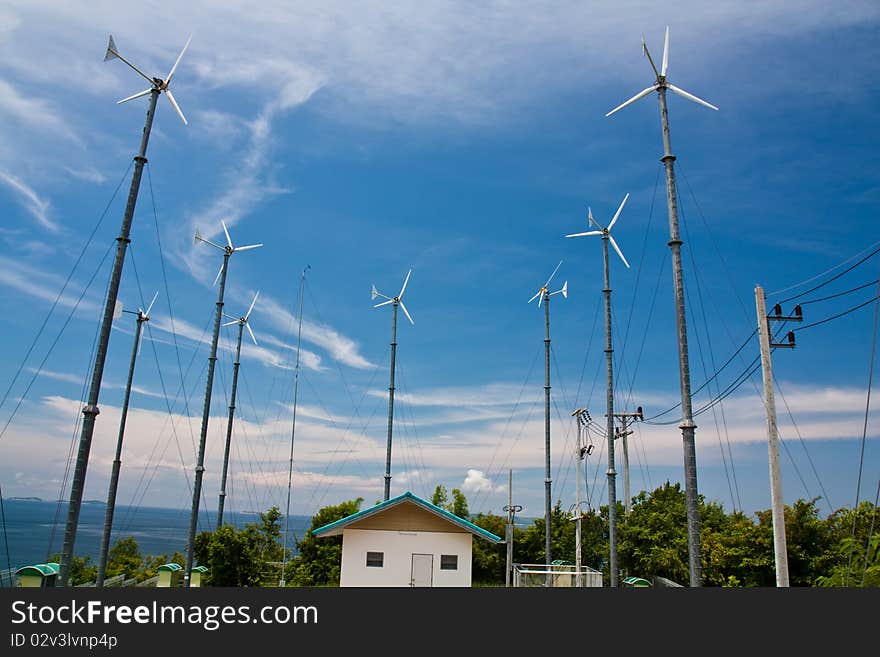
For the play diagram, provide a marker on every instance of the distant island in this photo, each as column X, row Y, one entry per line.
column 24, row 499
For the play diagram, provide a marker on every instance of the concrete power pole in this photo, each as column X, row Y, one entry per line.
column 622, row 433
column 780, row 550
column 512, row 510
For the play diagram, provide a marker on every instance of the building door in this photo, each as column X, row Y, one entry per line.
column 422, row 573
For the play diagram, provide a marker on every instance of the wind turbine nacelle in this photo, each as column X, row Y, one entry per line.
column 375, row 293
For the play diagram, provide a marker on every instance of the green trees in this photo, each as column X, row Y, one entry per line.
column 242, row 557
column 319, row 560
column 458, row 506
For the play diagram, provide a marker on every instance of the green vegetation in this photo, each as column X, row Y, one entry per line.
column 737, row 549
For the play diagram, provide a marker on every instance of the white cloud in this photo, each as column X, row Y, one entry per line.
column 40, row 284
column 476, row 482
column 37, row 207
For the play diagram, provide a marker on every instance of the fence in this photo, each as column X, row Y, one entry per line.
column 555, row 575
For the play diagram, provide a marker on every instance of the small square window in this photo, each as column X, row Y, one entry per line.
column 375, row 559
column 448, row 562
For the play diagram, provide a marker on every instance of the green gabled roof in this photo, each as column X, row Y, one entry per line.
column 335, row 528
column 43, row 569
column 636, row 581
column 170, row 566
column 200, row 569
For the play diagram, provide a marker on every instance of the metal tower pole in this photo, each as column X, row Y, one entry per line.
column 547, row 495
column 391, row 401
column 235, row 367
column 91, row 411
column 577, row 506
column 206, row 412
column 780, row 551
column 117, row 462
column 687, row 422
column 302, row 287
column 509, row 529
column 609, row 416
column 626, row 492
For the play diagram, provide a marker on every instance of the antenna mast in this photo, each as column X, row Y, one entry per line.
column 302, row 287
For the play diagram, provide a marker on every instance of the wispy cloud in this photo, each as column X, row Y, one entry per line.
column 35, row 113
column 340, row 347
column 37, row 207
column 41, row 285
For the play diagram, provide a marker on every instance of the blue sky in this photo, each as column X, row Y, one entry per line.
column 462, row 143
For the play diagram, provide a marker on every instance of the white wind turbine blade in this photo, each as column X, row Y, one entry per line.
column 590, row 220
column 553, row 274
column 406, row 312
column 617, row 214
column 247, row 248
column 251, row 332
column 639, row 95
column 150, row 307
column 176, row 106
column 405, row 281
column 174, row 68
column 589, row 232
column 140, row 344
column 685, row 94
column 536, row 296
column 619, row 252
column 133, row 96
column 248, row 313
column 198, row 238
column 648, row 55
column 665, row 64
column 541, row 298
column 226, row 232
column 217, row 277
column 230, row 323
column 384, row 303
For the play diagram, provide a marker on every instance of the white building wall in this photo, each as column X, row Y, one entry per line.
column 398, row 548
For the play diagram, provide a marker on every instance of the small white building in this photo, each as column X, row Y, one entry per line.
column 405, row 541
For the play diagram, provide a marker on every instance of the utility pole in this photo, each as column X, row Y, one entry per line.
column 582, row 418
column 142, row 316
column 512, row 510
column 780, row 550
column 622, row 433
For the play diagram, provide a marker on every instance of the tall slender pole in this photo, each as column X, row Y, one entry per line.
column 626, row 492
column 91, row 411
column 391, row 401
column 687, row 422
column 577, row 507
column 117, row 461
column 302, row 286
column 509, row 529
column 780, row 551
column 206, row 412
column 235, row 367
column 609, row 417
column 547, row 481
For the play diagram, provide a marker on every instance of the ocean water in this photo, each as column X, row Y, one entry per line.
column 35, row 529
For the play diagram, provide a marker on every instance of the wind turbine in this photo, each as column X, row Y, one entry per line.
column 142, row 316
column 227, row 250
column 91, row 410
column 242, row 324
column 605, row 233
column 543, row 296
column 687, row 422
column 395, row 302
